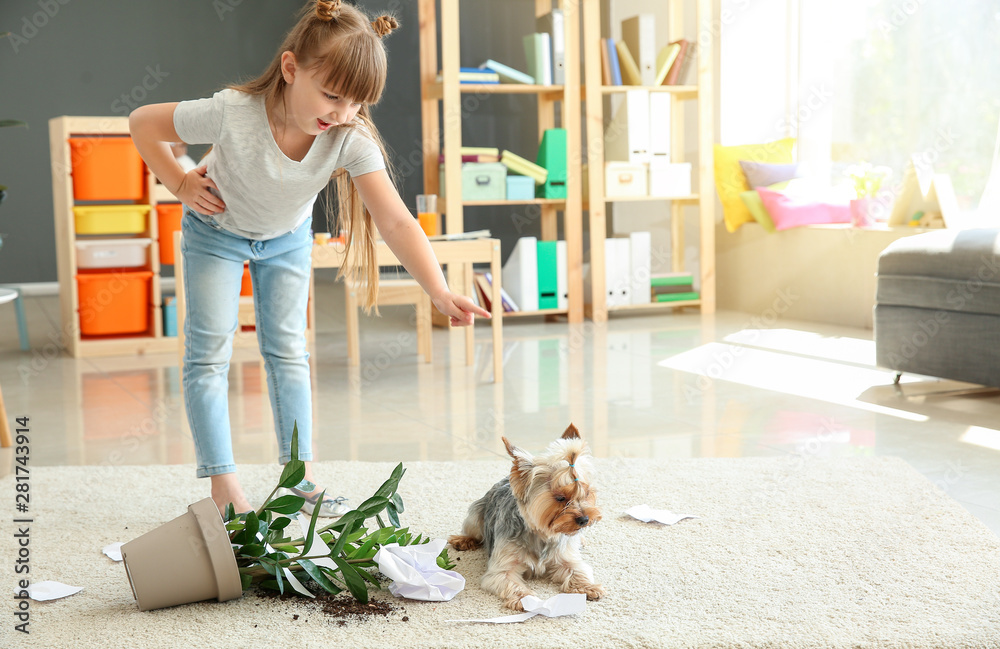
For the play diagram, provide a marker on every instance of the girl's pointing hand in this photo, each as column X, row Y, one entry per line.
column 460, row 309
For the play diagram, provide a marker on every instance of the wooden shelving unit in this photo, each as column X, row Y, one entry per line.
column 152, row 341
column 445, row 97
column 594, row 94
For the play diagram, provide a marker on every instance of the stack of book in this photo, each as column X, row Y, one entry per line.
column 672, row 287
column 633, row 61
column 474, row 75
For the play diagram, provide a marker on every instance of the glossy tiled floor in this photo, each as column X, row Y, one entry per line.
column 664, row 386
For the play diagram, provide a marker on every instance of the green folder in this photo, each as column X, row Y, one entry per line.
column 552, row 156
column 677, row 297
column 548, row 276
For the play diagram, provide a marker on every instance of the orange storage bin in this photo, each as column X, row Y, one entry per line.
column 114, row 302
column 106, row 168
column 168, row 220
column 247, row 287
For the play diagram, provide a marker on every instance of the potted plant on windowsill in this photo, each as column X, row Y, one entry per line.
column 867, row 180
column 201, row 555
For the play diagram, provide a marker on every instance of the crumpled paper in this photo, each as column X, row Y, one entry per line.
column 647, row 514
column 46, row 590
column 114, row 550
column 415, row 573
column 555, row 606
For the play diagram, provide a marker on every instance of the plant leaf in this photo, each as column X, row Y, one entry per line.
column 245, row 581
column 393, row 516
column 373, row 506
column 285, row 505
column 364, row 549
column 398, row 501
column 249, row 534
column 313, row 571
column 368, row 576
column 230, row 512
column 280, row 524
column 355, row 582
column 253, row 550
column 389, row 486
column 292, row 474
column 312, row 526
column 12, row 122
column 444, row 561
column 285, row 548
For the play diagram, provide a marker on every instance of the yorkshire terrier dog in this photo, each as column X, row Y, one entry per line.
column 531, row 521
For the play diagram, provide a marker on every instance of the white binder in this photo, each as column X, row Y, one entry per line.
column 562, row 284
column 617, row 266
column 627, row 137
column 659, row 127
column 640, row 249
column 520, row 274
column 554, row 24
column 639, row 34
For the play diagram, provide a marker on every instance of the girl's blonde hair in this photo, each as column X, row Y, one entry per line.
column 345, row 47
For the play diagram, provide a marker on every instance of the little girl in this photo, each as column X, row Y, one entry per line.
column 276, row 142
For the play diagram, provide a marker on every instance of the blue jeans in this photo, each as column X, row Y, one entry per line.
column 213, row 270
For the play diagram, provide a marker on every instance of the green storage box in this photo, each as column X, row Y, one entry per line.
column 481, row 181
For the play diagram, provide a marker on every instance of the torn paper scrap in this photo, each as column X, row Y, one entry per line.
column 114, row 550
column 555, row 606
column 416, row 574
column 647, row 514
column 46, row 590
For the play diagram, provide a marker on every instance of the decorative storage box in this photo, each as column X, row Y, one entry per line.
column 106, row 168
column 669, row 179
column 110, row 219
column 114, row 303
column 112, row 253
column 168, row 221
column 481, row 181
column 520, row 188
column 625, row 179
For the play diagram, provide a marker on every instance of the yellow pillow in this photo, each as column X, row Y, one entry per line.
column 730, row 181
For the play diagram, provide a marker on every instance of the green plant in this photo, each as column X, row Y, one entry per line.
column 867, row 178
column 346, row 541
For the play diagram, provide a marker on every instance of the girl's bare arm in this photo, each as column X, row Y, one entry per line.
column 409, row 243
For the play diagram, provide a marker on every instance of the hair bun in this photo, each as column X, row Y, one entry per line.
column 383, row 25
column 327, row 11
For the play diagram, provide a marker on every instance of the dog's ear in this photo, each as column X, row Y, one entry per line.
column 520, row 471
column 520, row 457
column 571, row 433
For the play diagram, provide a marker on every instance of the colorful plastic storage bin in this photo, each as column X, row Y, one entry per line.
column 110, row 219
column 168, row 221
column 114, row 303
column 106, row 168
column 112, row 253
column 246, row 288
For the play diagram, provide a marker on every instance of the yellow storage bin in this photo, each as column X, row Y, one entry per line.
column 110, row 219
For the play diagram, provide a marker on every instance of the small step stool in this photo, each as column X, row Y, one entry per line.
column 390, row 292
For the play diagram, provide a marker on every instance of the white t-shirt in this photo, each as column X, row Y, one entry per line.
column 267, row 194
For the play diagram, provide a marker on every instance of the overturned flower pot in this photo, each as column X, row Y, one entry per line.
column 188, row 559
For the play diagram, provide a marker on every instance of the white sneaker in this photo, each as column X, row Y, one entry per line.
column 329, row 508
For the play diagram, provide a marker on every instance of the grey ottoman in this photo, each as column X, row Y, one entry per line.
column 937, row 305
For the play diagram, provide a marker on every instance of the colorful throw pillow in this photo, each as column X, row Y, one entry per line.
column 762, row 174
column 756, row 206
column 793, row 211
column 730, row 181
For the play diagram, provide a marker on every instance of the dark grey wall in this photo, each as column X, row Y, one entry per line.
column 104, row 57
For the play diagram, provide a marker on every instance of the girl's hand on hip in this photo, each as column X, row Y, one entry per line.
column 460, row 309
column 194, row 192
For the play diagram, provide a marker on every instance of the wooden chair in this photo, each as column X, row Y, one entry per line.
column 390, row 292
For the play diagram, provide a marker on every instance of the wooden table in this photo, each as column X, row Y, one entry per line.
column 459, row 256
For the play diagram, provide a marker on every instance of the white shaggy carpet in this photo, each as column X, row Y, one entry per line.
column 788, row 552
